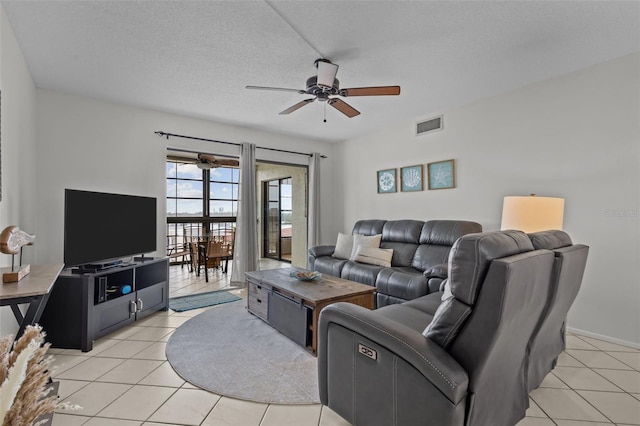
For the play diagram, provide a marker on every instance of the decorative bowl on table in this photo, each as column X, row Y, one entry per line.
column 306, row 275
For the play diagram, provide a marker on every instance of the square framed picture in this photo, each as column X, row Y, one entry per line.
column 411, row 178
column 442, row 174
column 386, row 181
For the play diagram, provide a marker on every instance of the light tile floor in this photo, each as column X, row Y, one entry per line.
column 126, row 381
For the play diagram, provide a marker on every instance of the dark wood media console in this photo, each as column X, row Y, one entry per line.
column 81, row 310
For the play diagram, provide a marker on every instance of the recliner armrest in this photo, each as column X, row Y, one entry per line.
column 433, row 362
column 441, row 270
column 319, row 251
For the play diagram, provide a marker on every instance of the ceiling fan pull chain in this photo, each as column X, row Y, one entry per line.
column 325, row 112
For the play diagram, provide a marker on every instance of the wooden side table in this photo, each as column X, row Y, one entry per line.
column 33, row 289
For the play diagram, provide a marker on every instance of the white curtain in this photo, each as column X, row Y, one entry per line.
column 313, row 236
column 245, row 256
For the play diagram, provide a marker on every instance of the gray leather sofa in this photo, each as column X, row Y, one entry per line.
column 463, row 361
column 419, row 262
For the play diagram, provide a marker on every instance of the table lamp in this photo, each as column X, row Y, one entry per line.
column 532, row 213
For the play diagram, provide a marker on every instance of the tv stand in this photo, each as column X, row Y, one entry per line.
column 84, row 307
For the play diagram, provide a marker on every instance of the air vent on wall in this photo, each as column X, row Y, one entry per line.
column 431, row 125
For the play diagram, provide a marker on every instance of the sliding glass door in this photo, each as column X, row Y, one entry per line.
column 277, row 213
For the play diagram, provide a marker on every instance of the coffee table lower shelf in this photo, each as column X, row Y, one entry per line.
column 293, row 307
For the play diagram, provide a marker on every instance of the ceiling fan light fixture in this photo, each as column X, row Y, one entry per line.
column 326, row 73
column 204, row 165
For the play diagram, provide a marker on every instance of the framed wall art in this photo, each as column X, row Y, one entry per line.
column 386, row 181
column 442, row 174
column 411, row 178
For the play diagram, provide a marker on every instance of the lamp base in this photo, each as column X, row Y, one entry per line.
column 9, row 276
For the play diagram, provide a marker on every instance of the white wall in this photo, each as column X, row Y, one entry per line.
column 94, row 145
column 18, row 150
column 576, row 136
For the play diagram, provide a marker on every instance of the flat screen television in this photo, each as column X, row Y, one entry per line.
column 101, row 227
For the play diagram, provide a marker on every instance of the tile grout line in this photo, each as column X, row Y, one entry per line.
column 581, row 396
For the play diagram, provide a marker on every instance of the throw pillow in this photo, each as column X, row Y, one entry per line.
column 344, row 246
column 364, row 241
column 374, row 256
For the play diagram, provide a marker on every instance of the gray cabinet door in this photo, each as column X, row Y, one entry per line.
column 290, row 317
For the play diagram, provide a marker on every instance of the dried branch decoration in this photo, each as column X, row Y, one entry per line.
column 24, row 373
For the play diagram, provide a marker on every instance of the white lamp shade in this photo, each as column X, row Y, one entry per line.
column 532, row 213
column 326, row 74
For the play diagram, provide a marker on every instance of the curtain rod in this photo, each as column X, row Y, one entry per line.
column 167, row 135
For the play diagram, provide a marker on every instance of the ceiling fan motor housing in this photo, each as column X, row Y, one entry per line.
column 322, row 92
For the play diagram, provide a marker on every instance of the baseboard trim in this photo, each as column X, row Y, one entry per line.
column 603, row 337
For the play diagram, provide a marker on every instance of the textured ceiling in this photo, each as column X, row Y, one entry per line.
column 196, row 57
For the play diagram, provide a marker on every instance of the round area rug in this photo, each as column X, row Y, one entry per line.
column 230, row 352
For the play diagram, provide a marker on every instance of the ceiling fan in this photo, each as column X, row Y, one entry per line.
column 208, row 161
column 325, row 85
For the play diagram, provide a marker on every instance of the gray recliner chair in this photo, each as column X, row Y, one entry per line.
column 465, row 364
column 549, row 338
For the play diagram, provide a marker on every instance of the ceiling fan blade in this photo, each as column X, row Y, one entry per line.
column 227, row 162
column 343, row 107
column 207, row 157
column 279, row 89
column 297, row 106
column 371, row 91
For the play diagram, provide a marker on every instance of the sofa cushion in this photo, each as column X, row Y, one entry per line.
column 329, row 265
column 360, row 272
column 402, row 231
column 550, row 240
column 402, row 253
column 374, row 256
column 368, row 227
column 384, row 300
column 409, row 316
column 405, row 283
column 364, row 241
column 428, row 255
column 427, row 304
column 446, row 232
column 436, row 239
column 344, row 246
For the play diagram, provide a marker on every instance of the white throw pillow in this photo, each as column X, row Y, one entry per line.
column 364, row 241
column 344, row 246
column 374, row 256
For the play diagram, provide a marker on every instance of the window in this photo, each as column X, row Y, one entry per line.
column 223, row 192
column 184, row 190
column 199, row 202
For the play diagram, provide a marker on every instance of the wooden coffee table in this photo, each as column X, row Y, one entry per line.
column 293, row 306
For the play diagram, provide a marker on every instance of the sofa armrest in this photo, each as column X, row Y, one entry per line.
column 319, row 251
column 433, row 362
column 441, row 270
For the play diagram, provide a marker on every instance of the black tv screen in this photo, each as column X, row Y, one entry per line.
column 102, row 227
